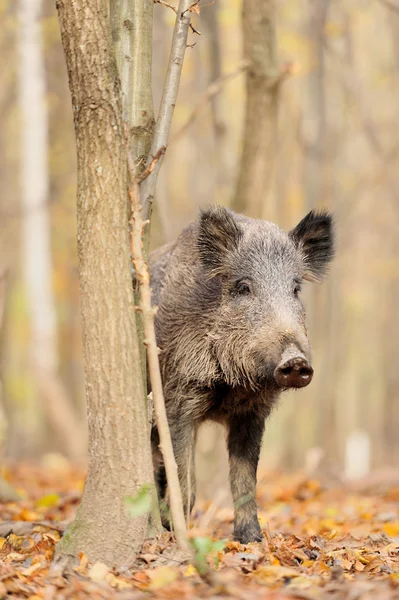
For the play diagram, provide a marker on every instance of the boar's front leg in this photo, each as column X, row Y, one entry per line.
column 183, row 440
column 244, row 442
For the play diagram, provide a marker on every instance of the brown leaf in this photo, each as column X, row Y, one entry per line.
column 195, row 8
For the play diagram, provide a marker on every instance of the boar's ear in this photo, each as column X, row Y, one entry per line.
column 314, row 237
column 219, row 234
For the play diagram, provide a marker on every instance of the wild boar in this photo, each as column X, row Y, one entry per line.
column 231, row 330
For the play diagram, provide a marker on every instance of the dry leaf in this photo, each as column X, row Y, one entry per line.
column 161, row 576
column 195, row 8
column 98, row 571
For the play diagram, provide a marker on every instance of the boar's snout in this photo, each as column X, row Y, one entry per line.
column 294, row 370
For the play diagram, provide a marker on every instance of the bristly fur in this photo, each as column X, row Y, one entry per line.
column 218, row 235
column 220, row 347
column 314, row 235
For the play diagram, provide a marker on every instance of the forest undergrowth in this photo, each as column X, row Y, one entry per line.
column 322, row 539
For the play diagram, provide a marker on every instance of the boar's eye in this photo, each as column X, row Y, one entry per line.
column 297, row 287
column 243, row 287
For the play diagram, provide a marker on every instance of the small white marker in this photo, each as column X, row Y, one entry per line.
column 357, row 454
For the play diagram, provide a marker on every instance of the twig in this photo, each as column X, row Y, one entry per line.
column 147, row 172
column 148, row 314
column 190, row 457
column 213, row 89
column 175, row 11
column 167, row 107
column 192, row 8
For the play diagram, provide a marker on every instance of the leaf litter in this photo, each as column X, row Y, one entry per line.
column 320, row 542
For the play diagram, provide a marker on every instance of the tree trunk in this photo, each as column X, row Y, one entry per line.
column 119, row 448
column 314, row 111
column 37, row 263
column 259, row 144
column 222, row 152
column 7, row 492
column 131, row 25
column 314, row 137
column 132, row 36
column 166, row 108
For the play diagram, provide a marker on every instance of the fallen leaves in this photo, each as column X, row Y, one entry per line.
column 318, row 543
column 161, row 576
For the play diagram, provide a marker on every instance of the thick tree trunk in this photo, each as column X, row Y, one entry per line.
column 119, row 449
column 259, row 143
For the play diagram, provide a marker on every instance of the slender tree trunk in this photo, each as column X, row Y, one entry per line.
column 314, row 132
column 119, row 449
column 7, row 493
column 131, row 25
column 224, row 167
column 391, row 331
column 167, row 107
column 314, row 118
column 260, row 129
column 131, row 22
column 37, row 264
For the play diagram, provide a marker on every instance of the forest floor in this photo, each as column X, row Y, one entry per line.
column 320, row 541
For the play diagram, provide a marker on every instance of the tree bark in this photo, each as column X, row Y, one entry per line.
column 131, row 23
column 119, row 448
column 260, row 129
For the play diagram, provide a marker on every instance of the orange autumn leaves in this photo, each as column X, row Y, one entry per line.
column 319, row 541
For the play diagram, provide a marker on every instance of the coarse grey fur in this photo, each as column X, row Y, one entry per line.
column 228, row 302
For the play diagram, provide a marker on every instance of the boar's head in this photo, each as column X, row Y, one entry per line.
column 257, row 328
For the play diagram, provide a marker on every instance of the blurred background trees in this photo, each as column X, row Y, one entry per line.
column 335, row 145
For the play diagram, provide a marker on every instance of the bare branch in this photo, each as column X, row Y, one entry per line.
column 214, row 88
column 152, row 164
column 175, row 11
column 169, row 98
column 148, row 314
